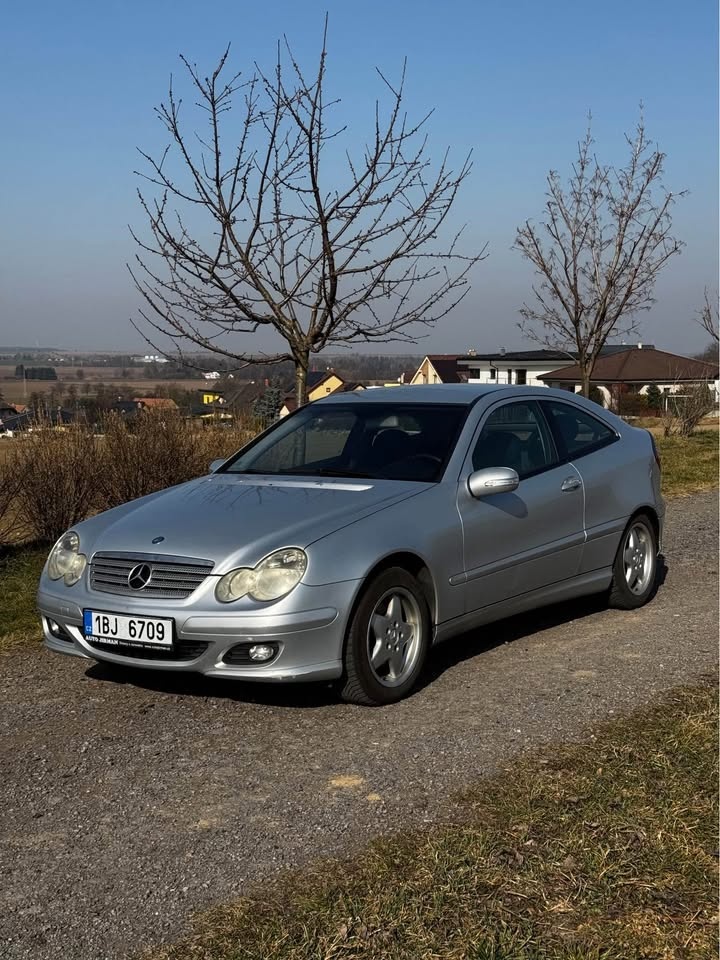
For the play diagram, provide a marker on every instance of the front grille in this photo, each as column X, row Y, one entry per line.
column 172, row 578
column 181, row 650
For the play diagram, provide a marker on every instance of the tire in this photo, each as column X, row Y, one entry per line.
column 387, row 640
column 635, row 566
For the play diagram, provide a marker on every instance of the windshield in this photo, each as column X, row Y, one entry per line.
column 390, row 441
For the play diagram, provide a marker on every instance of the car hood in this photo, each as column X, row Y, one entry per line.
column 235, row 520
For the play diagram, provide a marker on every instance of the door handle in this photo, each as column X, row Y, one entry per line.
column 570, row 483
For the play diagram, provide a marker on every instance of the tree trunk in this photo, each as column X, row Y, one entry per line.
column 302, row 362
column 585, row 373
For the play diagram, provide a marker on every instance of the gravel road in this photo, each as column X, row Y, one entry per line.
column 129, row 802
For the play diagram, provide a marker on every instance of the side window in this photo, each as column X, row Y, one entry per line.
column 515, row 435
column 576, row 431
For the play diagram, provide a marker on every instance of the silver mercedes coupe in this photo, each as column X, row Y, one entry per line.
column 351, row 536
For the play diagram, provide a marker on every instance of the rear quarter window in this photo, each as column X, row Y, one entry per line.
column 576, row 431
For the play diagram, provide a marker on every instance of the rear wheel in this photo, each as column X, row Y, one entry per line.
column 387, row 640
column 635, row 567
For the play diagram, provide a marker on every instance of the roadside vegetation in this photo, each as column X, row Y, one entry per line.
column 601, row 851
column 51, row 479
column 19, row 574
column 689, row 464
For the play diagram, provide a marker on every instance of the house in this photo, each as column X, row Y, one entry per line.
column 208, row 396
column 12, row 422
column 520, row 367
column 439, row 368
column 319, row 384
column 634, row 369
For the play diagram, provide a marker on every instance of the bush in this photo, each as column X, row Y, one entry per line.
column 684, row 411
column 596, row 395
column 632, row 405
column 10, row 520
column 55, row 483
column 51, row 479
column 155, row 450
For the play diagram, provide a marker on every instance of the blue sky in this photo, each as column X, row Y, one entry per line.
column 513, row 81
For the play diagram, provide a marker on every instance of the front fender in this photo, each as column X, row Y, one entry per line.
column 427, row 526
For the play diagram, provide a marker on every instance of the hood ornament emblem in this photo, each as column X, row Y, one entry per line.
column 158, row 539
column 139, row 576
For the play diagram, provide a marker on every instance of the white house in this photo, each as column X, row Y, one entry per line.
column 521, row 367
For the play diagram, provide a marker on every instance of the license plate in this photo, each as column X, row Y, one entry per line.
column 117, row 628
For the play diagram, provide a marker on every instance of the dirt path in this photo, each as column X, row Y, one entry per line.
column 130, row 801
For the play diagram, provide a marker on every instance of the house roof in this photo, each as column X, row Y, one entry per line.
column 639, row 365
column 519, row 356
column 124, row 406
column 245, row 393
column 316, row 377
column 18, row 421
column 446, row 365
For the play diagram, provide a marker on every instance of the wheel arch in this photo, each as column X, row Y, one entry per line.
column 414, row 564
column 649, row 511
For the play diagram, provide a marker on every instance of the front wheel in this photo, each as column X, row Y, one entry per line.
column 635, row 567
column 387, row 640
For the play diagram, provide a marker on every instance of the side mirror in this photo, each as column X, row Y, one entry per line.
column 484, row 483
column 215, row 464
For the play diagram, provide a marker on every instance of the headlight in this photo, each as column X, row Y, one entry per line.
column 65, row 559
column 272, row 578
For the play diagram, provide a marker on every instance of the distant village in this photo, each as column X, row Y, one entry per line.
column 58, row 389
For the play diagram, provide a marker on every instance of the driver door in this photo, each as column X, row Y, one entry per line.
column 517, row 542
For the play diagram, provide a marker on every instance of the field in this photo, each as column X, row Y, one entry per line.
column 17, row 391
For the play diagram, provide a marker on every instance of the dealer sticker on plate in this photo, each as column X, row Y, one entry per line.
column 117, row 628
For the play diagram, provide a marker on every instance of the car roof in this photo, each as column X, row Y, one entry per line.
column 459, row 393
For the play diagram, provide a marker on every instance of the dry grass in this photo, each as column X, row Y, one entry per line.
column 52, row 479
column 19, row 574
column 689, row 464
column 603, row 851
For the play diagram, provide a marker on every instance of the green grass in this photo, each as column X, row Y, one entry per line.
column 19, row 573
column 689, row 464
column 602, row 851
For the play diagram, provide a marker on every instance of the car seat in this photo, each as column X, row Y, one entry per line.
column 499, row 448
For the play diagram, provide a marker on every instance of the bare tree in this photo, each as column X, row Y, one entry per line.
column 685, row 406
column 708, row 317
column 605, row 237
column 264, row 222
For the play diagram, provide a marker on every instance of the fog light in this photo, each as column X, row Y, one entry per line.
column 55, row 628
column 261, row 651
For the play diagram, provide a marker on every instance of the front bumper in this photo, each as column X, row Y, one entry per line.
column 308, row 628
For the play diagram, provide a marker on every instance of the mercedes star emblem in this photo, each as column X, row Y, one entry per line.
column 139, row 576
